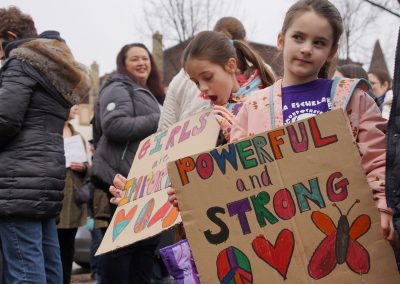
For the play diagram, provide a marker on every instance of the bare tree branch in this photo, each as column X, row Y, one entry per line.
column 178, row 20
column 383, row 7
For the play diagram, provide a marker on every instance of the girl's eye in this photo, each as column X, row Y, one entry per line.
column 208, row 78
column 196, row 82
column 297, row 37
column 319, row 43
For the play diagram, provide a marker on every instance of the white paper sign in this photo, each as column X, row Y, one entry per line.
column 74, row 150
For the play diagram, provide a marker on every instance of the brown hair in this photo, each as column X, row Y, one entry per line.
column 218, row 48
column 154, row 82
column 232, row 27
column 13, row 20
column 382, row 76
column 353, row 71
column 323, row 8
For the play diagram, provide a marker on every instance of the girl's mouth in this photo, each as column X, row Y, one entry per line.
column 303, row 61
column 213, row 98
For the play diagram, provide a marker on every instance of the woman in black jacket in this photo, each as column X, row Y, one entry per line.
column 128, row 110
column 393, row 152
column 39, row 82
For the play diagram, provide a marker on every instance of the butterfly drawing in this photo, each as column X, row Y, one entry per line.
column 340, row 244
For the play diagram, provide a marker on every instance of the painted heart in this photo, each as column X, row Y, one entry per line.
column 278, row 256
column 121, row 221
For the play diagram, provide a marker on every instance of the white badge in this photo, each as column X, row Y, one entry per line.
column 111, row 106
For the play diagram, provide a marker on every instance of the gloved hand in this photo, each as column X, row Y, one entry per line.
column 90, row 224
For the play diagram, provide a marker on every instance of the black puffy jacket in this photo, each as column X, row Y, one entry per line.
column 32, row 116
column 393, row 147
column 125, row 114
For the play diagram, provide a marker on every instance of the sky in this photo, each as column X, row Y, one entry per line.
column 95, row 30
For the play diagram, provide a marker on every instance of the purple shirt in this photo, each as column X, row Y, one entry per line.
column 306, row 100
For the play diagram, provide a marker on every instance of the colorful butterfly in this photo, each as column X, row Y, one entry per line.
column 340, row 244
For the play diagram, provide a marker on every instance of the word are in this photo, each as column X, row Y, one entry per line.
column 144, row 185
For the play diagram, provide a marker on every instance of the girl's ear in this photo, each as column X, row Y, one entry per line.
column 385, row 85
column 280, row 42
column 231, row 66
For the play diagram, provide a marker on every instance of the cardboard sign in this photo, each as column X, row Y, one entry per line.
column 289, row 206
column 145, row 210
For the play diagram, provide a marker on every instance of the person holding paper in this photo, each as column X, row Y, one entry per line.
column 39, row 82
column 73, row 212
column 127, row 111
column 309, row 40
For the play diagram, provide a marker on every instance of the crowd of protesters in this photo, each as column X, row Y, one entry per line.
column 41, row 85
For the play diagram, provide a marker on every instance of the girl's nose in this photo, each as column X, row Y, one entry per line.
column 203, row 88
column 306, row 49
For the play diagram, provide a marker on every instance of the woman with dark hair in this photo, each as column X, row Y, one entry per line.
column 127, row 110
column 351, row 71
column 382, row 87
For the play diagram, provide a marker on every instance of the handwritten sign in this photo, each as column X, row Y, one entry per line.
column 74, row 150
column 289, row 206
column 145, row 210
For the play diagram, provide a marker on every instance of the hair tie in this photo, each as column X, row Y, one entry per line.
column 231, row 42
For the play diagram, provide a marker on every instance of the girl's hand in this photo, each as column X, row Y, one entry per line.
column 117, row 188
column 172, row 196
column 387, row 227
column 225, row 119
column 78, row 167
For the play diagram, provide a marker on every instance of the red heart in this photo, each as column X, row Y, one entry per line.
column 122, row 220
column 278, row 256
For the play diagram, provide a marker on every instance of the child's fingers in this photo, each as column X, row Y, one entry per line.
column 115, row 200
column 119, row 181
column 170, row 191
column 387, row 226
column 115, row 191
column 392, row 233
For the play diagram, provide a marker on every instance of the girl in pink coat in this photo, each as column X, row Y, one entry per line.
column 309, row 41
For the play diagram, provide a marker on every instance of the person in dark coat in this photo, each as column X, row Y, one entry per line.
column 127, row 111
column 393, row 152
column 39, row 82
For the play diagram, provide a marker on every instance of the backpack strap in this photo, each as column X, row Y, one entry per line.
column 343, row 89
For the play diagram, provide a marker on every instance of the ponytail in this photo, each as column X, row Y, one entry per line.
column 217, row 48
column 246, row 54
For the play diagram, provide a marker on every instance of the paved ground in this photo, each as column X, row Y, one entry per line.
column 81, row 275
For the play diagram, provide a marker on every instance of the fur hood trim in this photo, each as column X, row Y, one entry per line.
column 54, row 60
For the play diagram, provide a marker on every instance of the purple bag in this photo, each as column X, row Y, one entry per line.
column 179, row 262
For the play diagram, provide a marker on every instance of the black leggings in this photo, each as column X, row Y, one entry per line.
column 133, row 264
column 66, row 239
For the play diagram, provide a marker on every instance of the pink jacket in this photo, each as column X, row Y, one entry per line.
column 263, row 112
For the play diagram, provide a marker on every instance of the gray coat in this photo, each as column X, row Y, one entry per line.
column 125, row 114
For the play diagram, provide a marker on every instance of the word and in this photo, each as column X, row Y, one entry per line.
column 283, row 205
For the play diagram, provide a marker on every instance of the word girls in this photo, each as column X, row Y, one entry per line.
column 164, row 140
